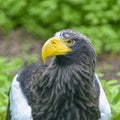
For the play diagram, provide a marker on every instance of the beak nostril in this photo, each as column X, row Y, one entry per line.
column 53, row 42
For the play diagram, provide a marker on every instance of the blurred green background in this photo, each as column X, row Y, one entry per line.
column 99, row 19
column 26, row 24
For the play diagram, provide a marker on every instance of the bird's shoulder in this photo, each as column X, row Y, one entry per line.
column 27, row 75
column 20, row 92
column 96, row 86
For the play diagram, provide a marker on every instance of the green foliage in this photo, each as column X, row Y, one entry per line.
column 7, row 71
column 99, row 20
column 112, row 89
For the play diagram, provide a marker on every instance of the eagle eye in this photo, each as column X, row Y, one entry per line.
column 70, row 42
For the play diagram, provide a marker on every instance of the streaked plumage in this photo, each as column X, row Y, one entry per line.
column 67, row 89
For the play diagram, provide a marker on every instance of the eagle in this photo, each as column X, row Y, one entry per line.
column 65, row 89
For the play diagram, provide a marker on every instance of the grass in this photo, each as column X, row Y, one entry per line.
column 112, row 89
column 8, row 69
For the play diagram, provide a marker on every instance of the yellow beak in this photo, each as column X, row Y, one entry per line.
column 54, row 46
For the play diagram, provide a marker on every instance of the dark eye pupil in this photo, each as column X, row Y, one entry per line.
column 72, row 41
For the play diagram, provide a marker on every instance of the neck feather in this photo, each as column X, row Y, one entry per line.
column 67, row 87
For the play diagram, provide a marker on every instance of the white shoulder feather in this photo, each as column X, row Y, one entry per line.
column 20, row 110
column 103, row 104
